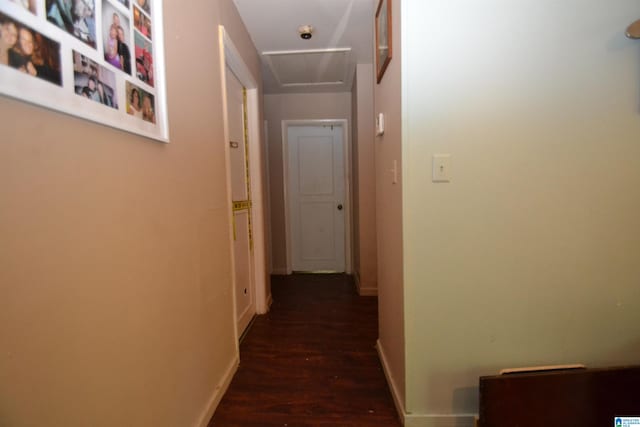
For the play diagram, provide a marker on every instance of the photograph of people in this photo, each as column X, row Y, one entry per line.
column 84, row 24
column 140, row 103
column 21, row 55
column 144, row 60
column 147, row 108
column 92, row 88
column 146, row 27
column 111, row 47
column 29, row 51
column 116, row 36
column 94, row 81
column 77, row 17
column 103, row 96
column 142, row 23
column 59, row 13
column 125, row 3
column 46, row 58
column 134, row 106
column 8, row 38
column 29, row 5
column 124, row 52
column 144, row 5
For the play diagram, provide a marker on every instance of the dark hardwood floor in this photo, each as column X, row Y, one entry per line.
column 310, row 361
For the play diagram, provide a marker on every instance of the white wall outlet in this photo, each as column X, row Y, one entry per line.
column 441, row 171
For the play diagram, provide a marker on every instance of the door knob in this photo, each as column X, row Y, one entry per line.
column 340, row 207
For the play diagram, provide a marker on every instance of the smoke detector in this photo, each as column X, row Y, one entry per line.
column 305, row 31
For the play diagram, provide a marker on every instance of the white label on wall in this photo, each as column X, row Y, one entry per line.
column 627, row 422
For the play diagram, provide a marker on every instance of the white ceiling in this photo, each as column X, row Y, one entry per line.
column 273, row 26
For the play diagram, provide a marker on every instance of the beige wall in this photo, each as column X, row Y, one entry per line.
column 279, row 107
column 115, row 277
column 388, row 204
column 363, row 172
column 531, row 255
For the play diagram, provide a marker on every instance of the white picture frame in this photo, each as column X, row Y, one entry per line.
column 66, row 58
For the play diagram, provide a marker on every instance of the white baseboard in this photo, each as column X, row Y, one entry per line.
column 420, row 420
column 218, row 393
column 395, row 393
column 423, row 420
column 245, row 318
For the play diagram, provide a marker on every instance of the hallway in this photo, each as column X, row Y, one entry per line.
column 310, row 361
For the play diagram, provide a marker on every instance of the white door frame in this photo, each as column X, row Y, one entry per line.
column 230, row 57
column 347, row 187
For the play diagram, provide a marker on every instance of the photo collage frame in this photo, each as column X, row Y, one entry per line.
column 102, row 60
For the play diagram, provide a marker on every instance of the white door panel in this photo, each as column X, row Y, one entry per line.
column 243, row 265
column 235, row 114
column 316, row 197
column 318, row 238
column 315, row 157
column 242, row 250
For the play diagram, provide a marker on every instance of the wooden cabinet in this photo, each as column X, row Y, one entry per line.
column 564, row 398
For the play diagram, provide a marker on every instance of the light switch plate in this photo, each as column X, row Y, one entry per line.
column 380, row 124
column 441, row 165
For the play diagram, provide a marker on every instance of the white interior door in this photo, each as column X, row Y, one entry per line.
column 240, row 194
column 316, row 197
